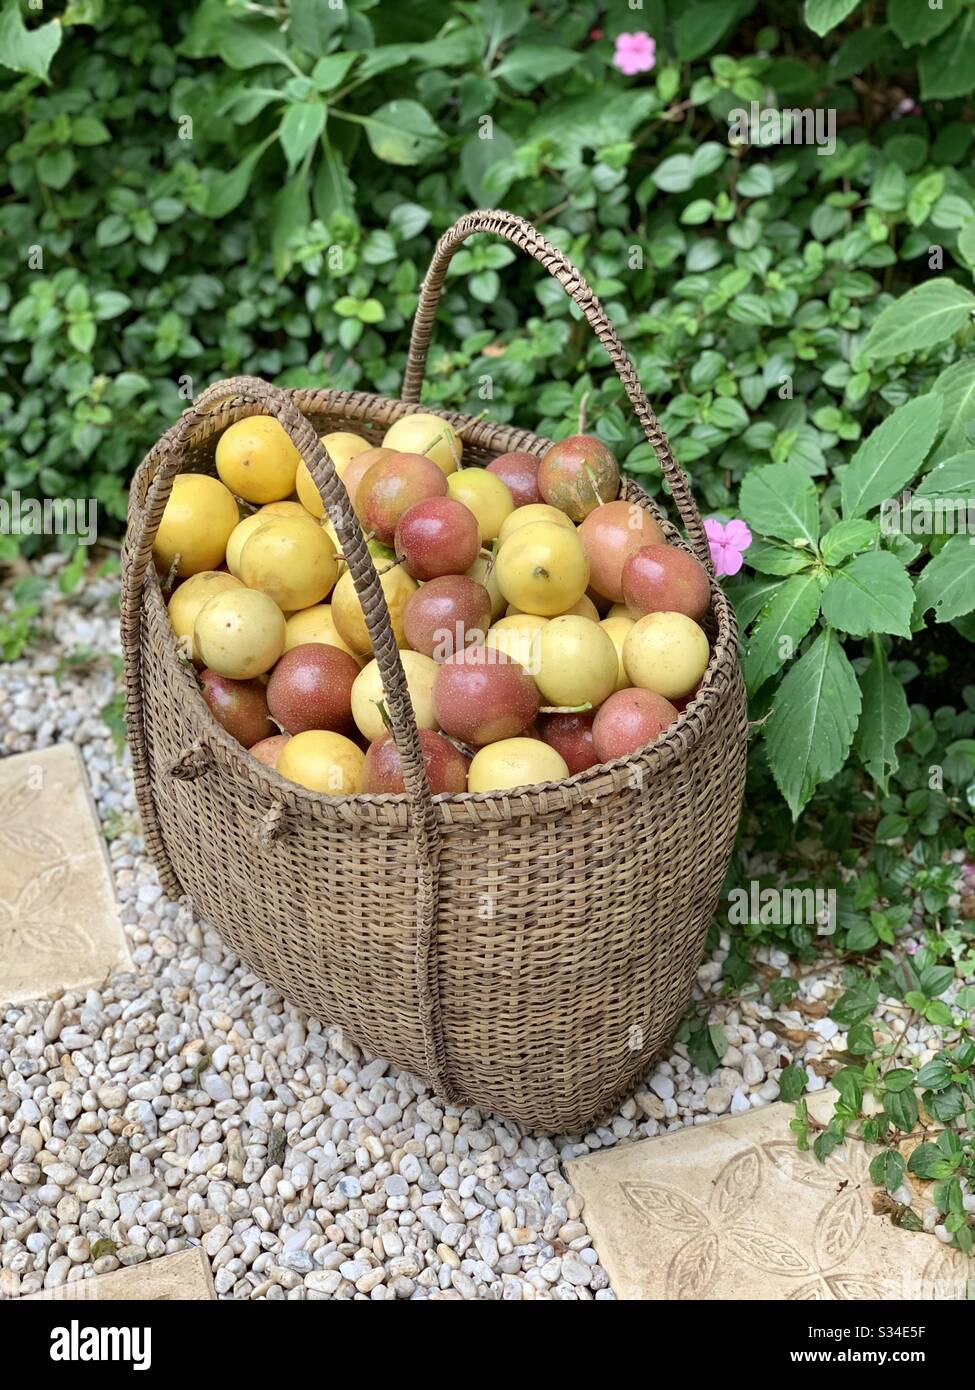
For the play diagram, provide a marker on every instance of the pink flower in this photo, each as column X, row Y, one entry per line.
column 634, row 53
column 728, row 541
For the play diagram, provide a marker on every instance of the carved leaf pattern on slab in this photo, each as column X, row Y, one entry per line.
column 813, row 1292
column 767, row 1251
column 945, row 1275
column 29, row 841
column 839, row 1228
column 15, row 801
column 40, row 893
column 857, row 1286
column 666, row 1206
column 691, row 1271
column 736, row 1185
column 798, row 1167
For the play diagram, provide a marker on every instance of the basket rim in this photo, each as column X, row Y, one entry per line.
column 592, row 785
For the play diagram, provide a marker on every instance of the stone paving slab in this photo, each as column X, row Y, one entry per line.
column 181, row 1278
column 732, row 1209
column 59, row 922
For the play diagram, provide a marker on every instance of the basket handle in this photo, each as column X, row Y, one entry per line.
column 423, row 822
column 522, row 234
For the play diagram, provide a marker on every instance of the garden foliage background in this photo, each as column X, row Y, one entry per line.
column 204, row 188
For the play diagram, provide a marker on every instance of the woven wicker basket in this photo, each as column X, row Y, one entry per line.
column 526, row 952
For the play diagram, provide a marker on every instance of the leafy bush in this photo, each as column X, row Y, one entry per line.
column 213, row 187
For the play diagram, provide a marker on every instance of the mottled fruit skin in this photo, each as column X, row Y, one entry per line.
column 571, row 736
column 437, row 536
column 664, row 579
column 446, row 615
column 268, row 751
column 354, row 471
column 569, row 470
column 391, row 486
column 480, row 695
column 311, row 688
column 240, row 706
column 446, row 765
column 629, row 720
column 610, row 534
column 519, row 472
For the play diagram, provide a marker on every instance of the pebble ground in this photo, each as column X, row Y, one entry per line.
column 187, row 1103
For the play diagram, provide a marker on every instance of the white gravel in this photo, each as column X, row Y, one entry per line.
column 189, row 1104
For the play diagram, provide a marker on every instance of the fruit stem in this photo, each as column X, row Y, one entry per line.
column 170, row 579
column 566, row 709
column 464, row 748
column 489, row 555
column 384, row 714
column 593, row 483
column 450, row 444
column 475, row 420
column 582, row 412
column 386, row 568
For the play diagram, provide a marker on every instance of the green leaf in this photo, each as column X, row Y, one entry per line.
column 301, row 126
column 887, row 1169
column 701, row 27
column 89, row 130
column 873, row 593
column 531, row 64
column 330, row 71
column 290, row 215
column 855, row 1004
column 928, row 1162
column 900, row 1107
column 890, row 455
column 927, row 315
column 241, row 43
column 769, row 558
column 334, row 191
column 227, row 191
column 811, row 727
column 945, row 67
column 956, row 387
column 919, row 23
column 849, row 1084
column 823, row 15
column 403, row 132
column 936, row 979
column 966, row 243
column 844, row 539
column 792, row 1083
column 780, row 500
column 947, row 582
column 27, row 50
column 951, row 479
column 482, row 160
column 314, row 24
column 885, row 720
column 935, row 1075
column 750, row 596
column 112, row 230
column 781, row 627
